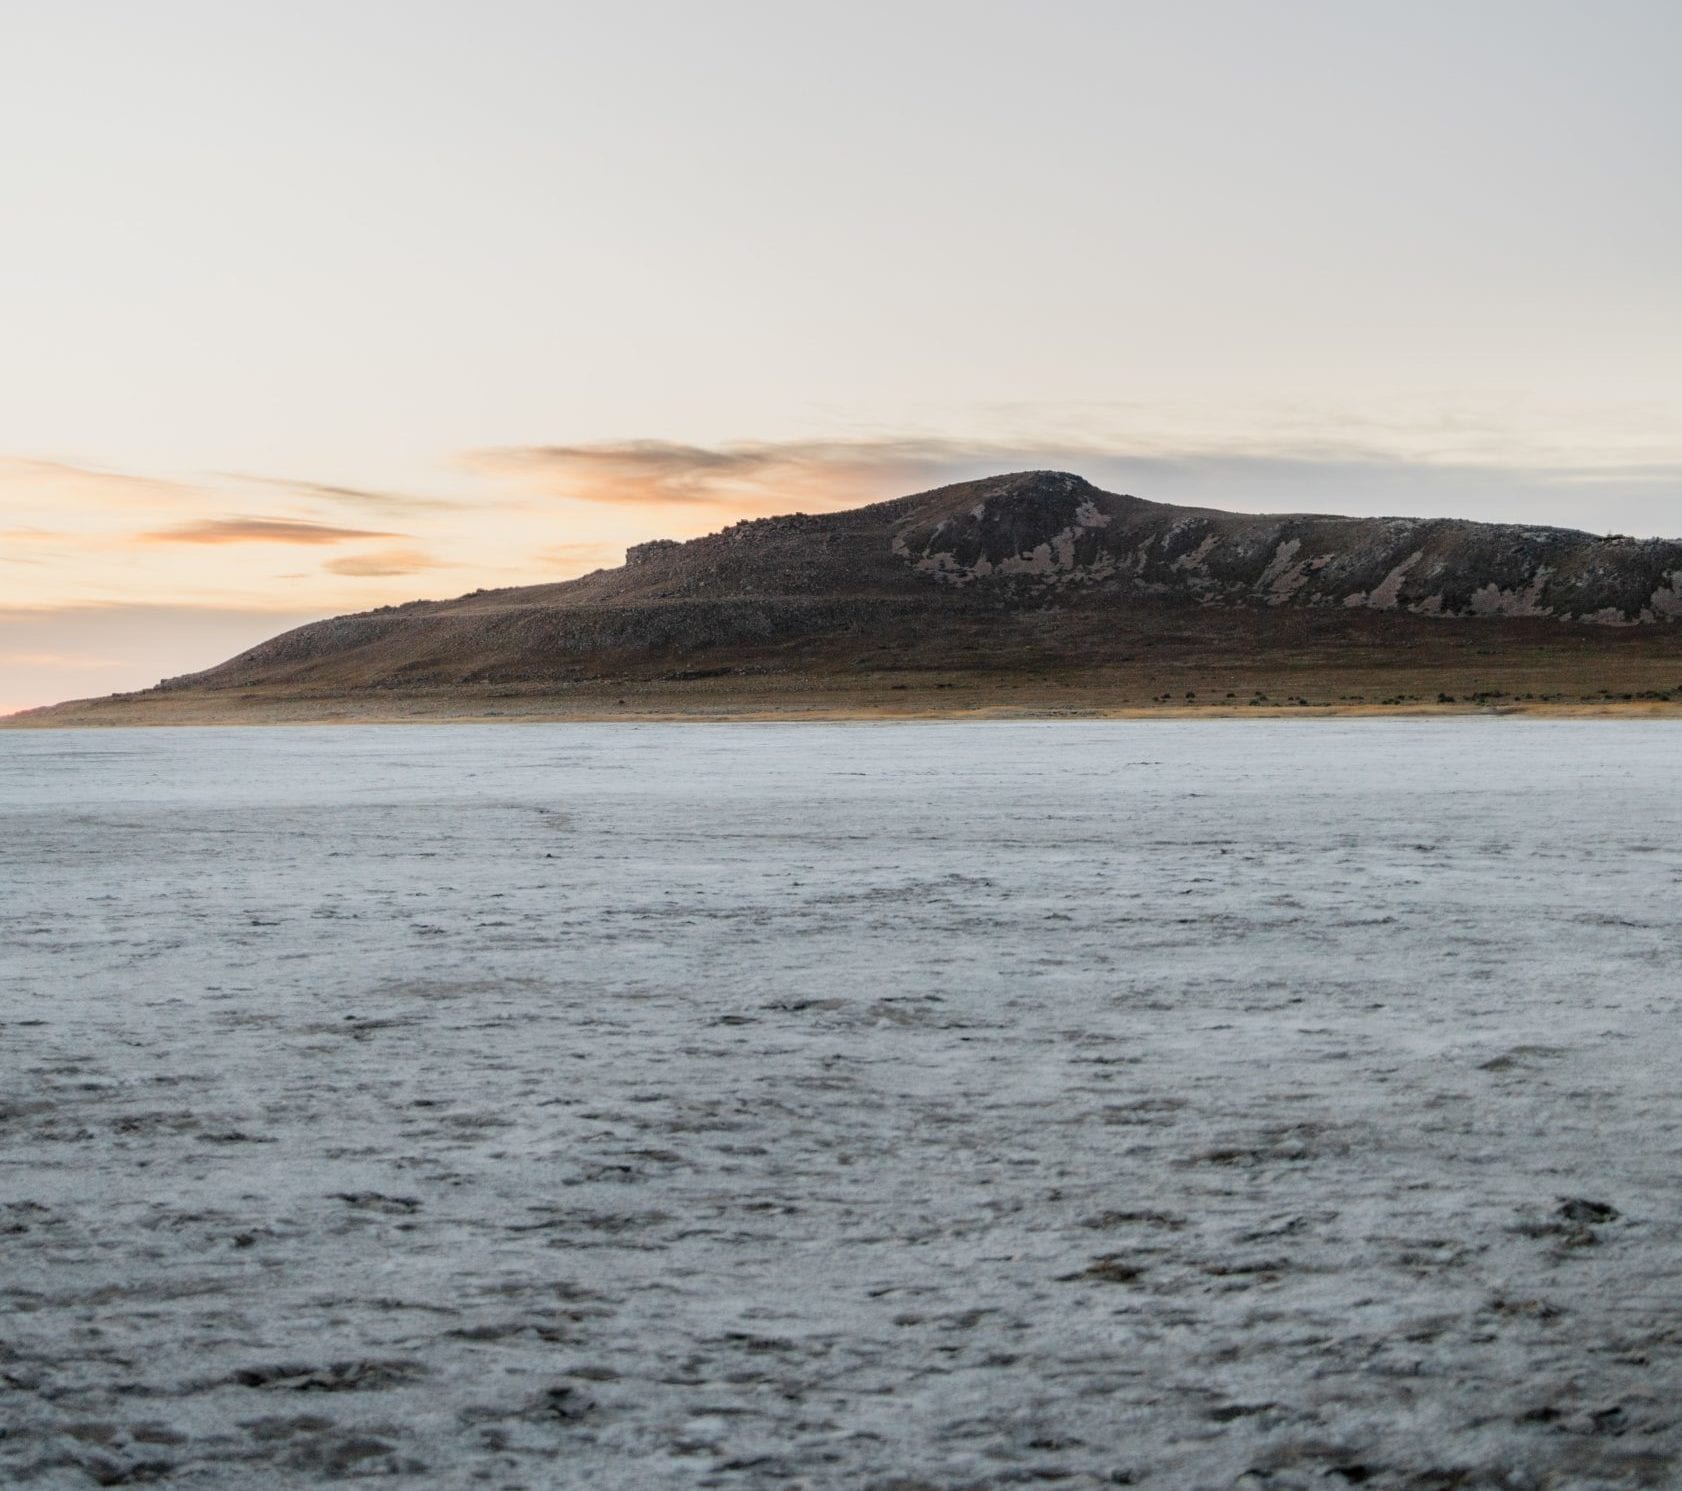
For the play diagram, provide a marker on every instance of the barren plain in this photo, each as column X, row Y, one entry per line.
column 912, row 1107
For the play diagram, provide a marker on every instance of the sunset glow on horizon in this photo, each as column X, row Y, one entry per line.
column 316, row 308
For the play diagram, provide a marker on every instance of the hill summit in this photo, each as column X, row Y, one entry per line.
column 1032, row 578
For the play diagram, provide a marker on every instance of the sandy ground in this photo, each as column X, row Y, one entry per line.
column 1268, row 1104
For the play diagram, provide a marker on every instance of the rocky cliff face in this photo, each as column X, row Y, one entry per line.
column 982, row 558
column 1056, row 531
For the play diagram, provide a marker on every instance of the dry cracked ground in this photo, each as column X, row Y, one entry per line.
column 1277, row 1105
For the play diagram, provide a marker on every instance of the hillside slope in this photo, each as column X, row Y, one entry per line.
column 1033, row 576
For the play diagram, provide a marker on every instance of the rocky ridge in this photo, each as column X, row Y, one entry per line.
column 1058, row 530
column 995, row 553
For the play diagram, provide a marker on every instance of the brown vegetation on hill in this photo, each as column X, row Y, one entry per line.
column 1029, row 593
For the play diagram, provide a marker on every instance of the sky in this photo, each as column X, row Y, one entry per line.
column 310, row 307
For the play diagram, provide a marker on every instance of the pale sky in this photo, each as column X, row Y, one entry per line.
column 311, row 306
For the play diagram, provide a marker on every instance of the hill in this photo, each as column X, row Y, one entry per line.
column 1021, row 593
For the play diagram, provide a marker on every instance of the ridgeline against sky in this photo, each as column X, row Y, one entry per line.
column 313, row 308
column 1031, row 592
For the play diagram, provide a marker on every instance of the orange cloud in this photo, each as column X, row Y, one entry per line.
column 258, row 531
column 751, row 476
column 384, row 562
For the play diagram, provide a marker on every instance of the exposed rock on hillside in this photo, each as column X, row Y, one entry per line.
column 1014, row 543
column 1059, row 530
column 1025, row 585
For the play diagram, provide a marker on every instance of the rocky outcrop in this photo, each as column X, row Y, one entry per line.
column 1058, row 531
column 973, row 560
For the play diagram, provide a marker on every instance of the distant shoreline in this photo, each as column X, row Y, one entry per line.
column 147, row 713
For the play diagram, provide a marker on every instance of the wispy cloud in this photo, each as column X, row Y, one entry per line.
column 61, row 481
column 385, row 562
column 246, row 530
column 365, row 497
column 103, row 488
column 644, row 473
column 1306, row 474
column 13, row 539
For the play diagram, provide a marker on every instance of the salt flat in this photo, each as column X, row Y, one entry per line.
column 1276, row 1104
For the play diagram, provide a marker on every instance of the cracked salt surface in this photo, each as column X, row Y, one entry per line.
column 1275, row 1104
